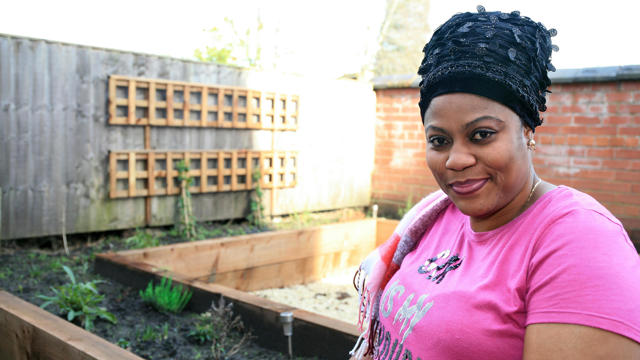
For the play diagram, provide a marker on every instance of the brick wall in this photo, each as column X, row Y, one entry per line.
column 590, row 140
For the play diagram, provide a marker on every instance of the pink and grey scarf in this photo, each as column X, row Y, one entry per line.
column 379, row 266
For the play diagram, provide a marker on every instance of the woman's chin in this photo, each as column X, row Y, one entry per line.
column 472, row 208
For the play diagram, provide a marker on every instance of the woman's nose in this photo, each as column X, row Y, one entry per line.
column 460, row 158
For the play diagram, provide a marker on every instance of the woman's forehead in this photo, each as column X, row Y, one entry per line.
column 466, row 107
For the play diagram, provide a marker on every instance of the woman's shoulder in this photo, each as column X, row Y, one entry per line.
column 567, row 202
column 568, row 214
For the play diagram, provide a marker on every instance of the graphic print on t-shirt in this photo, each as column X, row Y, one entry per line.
column 436, row 273
column 414, row 307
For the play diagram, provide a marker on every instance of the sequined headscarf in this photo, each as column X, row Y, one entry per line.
column 501, row 56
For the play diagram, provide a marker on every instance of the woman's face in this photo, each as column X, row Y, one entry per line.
column 476, row 150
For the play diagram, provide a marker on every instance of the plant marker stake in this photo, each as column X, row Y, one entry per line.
column 286, row 318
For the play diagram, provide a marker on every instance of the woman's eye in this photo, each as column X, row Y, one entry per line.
column 481, row 135
column 437, row 141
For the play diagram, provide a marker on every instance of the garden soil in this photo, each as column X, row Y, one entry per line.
column 29, row 268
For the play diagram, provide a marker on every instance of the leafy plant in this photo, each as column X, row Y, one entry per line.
column 203, row 332
column 79, row 301
column 186, row 223
column 123, row 343
column 141, row 239
column 165, row 297
column 256, row 208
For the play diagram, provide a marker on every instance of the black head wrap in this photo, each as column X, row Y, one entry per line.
column 502, row 56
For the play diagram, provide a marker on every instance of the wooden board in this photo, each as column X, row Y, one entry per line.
column 143, row 101
column 287, row 273
column 201, row 259
column 28, row 332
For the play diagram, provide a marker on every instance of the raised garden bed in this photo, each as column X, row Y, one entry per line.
column 232, row 266
column 30, row 332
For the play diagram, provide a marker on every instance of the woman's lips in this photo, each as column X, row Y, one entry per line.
column 468, row 187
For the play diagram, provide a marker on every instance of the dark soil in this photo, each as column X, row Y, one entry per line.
column 31, row 267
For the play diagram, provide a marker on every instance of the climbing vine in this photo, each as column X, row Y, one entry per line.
column 256, row 209
column 186, row 223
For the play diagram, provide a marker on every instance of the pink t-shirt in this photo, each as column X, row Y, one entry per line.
column 467, row 295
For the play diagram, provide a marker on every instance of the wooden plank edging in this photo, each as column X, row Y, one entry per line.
column 29, row 332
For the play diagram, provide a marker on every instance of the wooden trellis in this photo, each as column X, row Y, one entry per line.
column 139, row 101
column 152, row 173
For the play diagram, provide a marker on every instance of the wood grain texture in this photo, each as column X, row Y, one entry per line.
column 28, row 332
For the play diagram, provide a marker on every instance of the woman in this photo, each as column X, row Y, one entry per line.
column 499, row 264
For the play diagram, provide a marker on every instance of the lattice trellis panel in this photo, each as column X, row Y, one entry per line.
column 138, row 101
column 153, row 173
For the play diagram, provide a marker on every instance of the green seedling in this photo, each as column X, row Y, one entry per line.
column 165, row 297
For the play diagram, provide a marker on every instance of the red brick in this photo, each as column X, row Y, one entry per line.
column 586, row 120
column 628, row 175
column 603, row 141
column 628, row 109
column 624, row 141
column 579, row 151
column 557, row 119
column 587, row 140
column 627, row 154
column 616, row 164
column 553, row 109
column 548, row 130
column 628, row 198
column 617, row 120
column 596, row 109
column 630, row 85
column 602, row 130
column 624, row 209
column 573, row 140
column 595, row 174
column 580, row 130
column 590, row 184
column 586, row 162
column 587, row 97
column 560, row 140
column 600, row 152
column 545, row 139
column 573, row 108
column 619, row 96
column 605, row 86
column 627, row 130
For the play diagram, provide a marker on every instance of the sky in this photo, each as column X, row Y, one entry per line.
column 329, row 37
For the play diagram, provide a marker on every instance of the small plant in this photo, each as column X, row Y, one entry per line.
column 165, row 297
column 186, row 224
column 228, row 332
column 203, row 333
column 123, row 343
column 79, row 301
column 256, row 209
column 148, row 334
column 141, row 239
